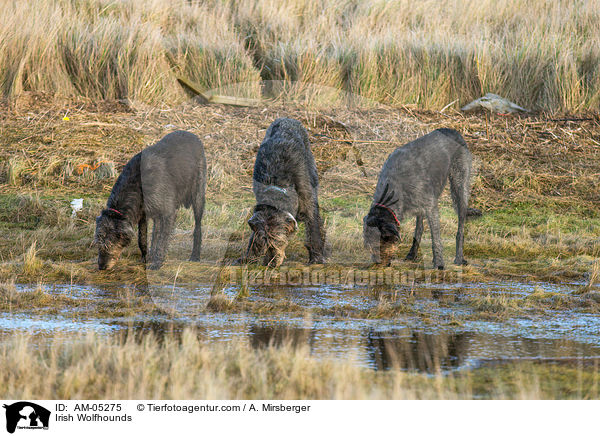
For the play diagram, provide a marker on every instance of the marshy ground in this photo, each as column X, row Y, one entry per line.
column 521, row 320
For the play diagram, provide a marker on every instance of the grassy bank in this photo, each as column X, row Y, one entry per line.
column 183, row 367
column 542, row 54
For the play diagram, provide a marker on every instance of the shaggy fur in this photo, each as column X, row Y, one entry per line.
column 154, row 184
column 285, row 184
column 410, row 182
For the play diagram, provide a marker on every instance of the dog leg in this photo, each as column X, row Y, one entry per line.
column 460, row 237
column 161, row 234
column 143, row 236
column 251, row 255
column 414, row 249
column 460, row 191
column 198, row 212
column 315, row 237
column 433, row 218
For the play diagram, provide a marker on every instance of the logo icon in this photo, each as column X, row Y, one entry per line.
column 26, row 415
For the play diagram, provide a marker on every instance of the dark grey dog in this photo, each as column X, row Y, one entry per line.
column 285, row 184
column 154, row 184
column 410, row 182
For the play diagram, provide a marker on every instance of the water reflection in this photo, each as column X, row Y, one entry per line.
column 158, row 329
column 419, row 351
column 264, row 335
column 403, row 341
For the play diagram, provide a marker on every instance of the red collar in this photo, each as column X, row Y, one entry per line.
column 115, row 210
column 390, row 211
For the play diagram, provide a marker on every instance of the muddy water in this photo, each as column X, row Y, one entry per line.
column 410, row 340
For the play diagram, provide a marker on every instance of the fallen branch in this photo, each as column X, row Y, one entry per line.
column 204, row 98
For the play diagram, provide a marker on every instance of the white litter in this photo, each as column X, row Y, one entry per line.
column 76, row 205
column 494, row 103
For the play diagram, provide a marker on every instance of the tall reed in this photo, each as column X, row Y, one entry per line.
column 543, row 54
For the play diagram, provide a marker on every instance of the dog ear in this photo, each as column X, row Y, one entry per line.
column 129, row 229
column 372, row 221
column 291, row 223
column 254, row 222
column 125, row 229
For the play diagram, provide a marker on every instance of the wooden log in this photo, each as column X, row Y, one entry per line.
column 204, row 98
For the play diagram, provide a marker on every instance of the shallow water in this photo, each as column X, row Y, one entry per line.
column 408, row 341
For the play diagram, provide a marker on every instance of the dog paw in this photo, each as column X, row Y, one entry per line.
column 376, row 265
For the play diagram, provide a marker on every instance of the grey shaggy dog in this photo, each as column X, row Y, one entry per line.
column 154, row 184
column 410, row 182
column 285, row 184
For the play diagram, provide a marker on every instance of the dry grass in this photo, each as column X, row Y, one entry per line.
column 594, row 276
column 506, row 306
column 183, row 367
column 542, row 55
column 31, row 262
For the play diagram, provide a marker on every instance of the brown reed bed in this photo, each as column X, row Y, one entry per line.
column 543, row 55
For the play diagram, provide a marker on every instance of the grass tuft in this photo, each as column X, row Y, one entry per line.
column 594, row 275
column 31, row 262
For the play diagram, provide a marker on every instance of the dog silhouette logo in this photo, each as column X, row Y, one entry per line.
column 26, row 415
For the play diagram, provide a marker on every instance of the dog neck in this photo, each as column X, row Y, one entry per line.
column 277, row 197
column 125, row 198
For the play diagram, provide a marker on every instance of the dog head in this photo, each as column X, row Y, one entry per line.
column 272, row 230
column 380, row 228
column 113, row 234
column 380, row 233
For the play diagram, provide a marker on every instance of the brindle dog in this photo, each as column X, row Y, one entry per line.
column 285, row 184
